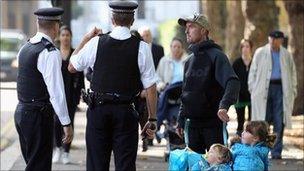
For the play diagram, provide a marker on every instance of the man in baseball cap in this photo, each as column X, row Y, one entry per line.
column 210, row 86
column 200, row 19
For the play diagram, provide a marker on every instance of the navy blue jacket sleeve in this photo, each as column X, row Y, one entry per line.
column 226, row 77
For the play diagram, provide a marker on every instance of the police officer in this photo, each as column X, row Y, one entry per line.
column 120, row 63
column 40, row 93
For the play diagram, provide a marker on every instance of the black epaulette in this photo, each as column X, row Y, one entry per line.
column 48, row 45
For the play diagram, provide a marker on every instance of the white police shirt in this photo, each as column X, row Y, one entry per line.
column 87, row 55
column 49, row 64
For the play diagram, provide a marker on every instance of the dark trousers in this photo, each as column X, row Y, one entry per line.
column 112, row 127
column 274, row 115
column 200, row 138
column 35, row 130
column 58, row 130
column 240, row 111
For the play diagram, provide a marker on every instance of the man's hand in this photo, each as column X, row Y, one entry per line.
column 92, row 33
column 68, row 134
column 149, row 130
column 222, row 114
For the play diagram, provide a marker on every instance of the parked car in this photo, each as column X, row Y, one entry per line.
column 11, row 42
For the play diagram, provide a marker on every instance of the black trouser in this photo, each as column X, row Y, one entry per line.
column 112, row 127
column 241, row 118
column 35, row 129
column 200, row 138
column 58, row 130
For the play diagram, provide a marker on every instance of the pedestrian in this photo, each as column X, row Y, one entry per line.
column 250, row 152
column 272, row 82
column 210, row 86
column 141, row 105
column 157, row 54
column 157, row 50
column 171, row 68
column 121, row 65
column 72, row 86
column 241, row 67
column 40, row 92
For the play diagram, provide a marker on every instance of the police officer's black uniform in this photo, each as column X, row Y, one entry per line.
column 118, row 76
column 34, row 112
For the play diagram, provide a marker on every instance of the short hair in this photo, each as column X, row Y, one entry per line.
column 123, row 19
column 46, row 24
column 67, row 28
column 223, row 152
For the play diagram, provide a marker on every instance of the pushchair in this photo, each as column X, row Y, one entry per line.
column 167, row 111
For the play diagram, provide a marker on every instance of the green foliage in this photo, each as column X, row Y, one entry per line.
column 167, row 31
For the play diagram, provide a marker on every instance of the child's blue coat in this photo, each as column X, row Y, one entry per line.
column 246, row 157
column 203, row 165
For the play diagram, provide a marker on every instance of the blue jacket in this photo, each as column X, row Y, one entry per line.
column 163, row 106
column 246, row 157
column 203, row 165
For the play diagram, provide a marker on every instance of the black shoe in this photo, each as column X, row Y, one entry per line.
column 276, row 157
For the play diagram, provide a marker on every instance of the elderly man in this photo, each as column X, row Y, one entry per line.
column 157, row 50
column 210, row 86
column 272, row 82
column 122, row 64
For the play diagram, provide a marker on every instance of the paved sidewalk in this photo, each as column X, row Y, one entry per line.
column 153, row 159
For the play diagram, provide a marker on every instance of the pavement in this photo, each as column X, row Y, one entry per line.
column 154, row 159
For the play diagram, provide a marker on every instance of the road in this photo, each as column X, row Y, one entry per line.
column 8, row 104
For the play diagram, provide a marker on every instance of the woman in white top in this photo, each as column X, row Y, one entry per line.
column 171, row 68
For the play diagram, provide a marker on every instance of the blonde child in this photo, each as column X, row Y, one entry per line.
column 250, row 152
column 218, row 158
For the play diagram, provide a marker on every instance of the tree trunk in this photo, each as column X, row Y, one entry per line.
column 261, row 17
column 216, row 13
column 234, row 29
column 295, row 11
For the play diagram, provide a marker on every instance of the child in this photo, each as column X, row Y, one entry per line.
column 250, row 152
column 218, row 158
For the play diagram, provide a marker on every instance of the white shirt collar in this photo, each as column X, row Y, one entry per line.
column 37, row 38
column 120, row 33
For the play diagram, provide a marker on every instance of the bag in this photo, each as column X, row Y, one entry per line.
column 183, row 159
